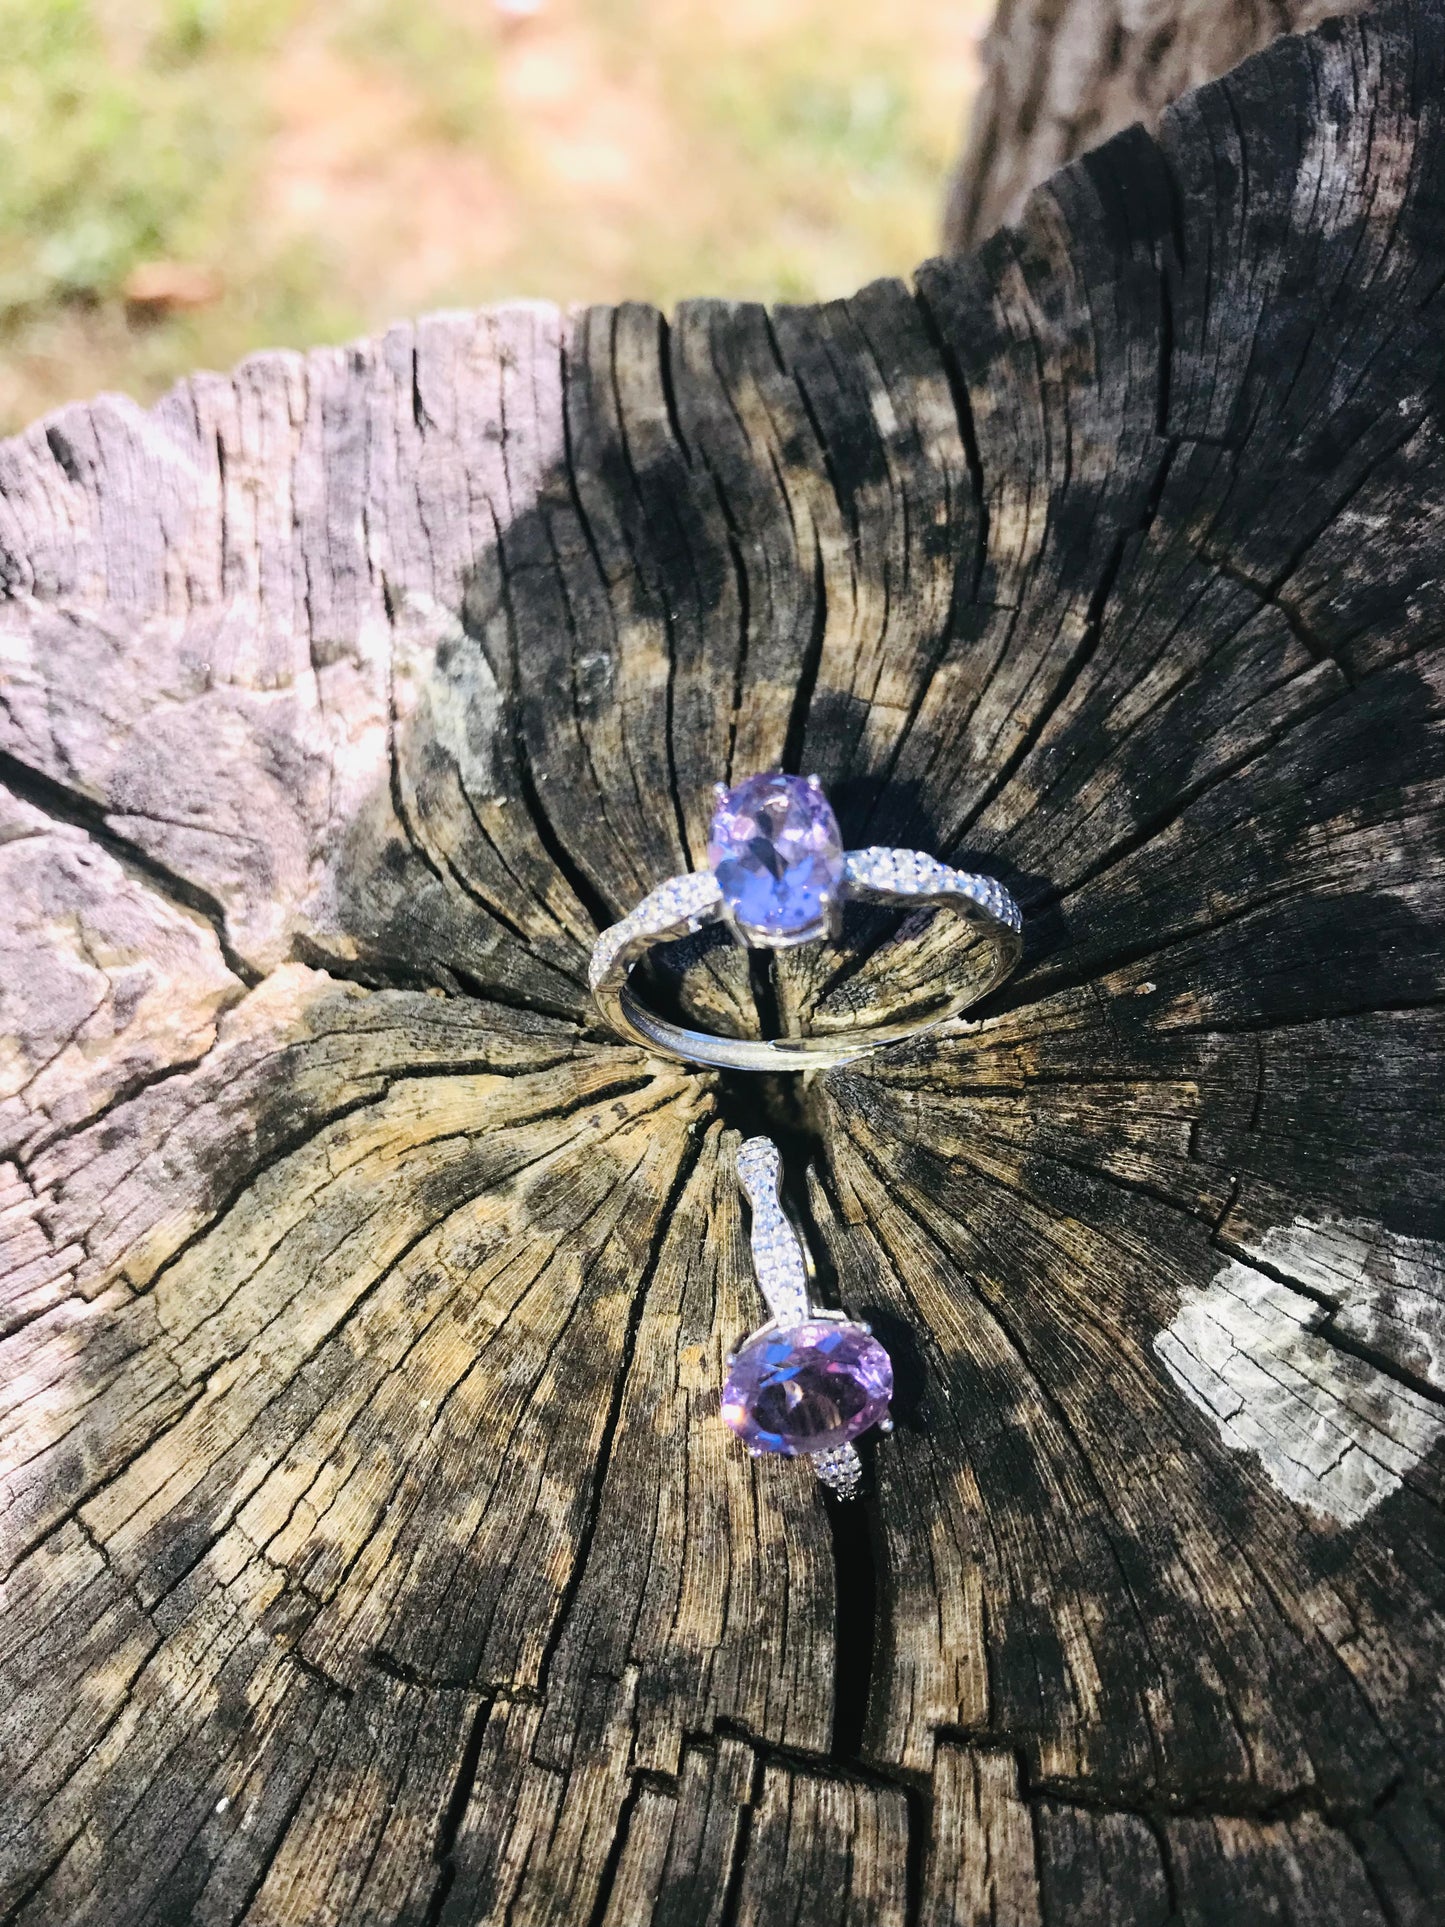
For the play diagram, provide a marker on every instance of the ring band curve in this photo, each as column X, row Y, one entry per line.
column 907, row 879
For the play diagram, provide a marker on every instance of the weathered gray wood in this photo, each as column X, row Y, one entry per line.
column 1061, row 76
column 372, row 1547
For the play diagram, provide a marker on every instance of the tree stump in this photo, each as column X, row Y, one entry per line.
column 374, row 1549
column 1059, row 76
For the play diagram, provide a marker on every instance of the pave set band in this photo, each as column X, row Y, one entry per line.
column 778, row 876
column 807, row 1383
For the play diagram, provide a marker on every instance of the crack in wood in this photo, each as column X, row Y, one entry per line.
column 582, row 1548
column 65, row 805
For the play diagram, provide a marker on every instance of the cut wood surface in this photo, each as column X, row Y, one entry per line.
column 1060, row 76
column 373, row 1549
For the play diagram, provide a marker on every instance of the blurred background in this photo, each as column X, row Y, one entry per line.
column 184, row 180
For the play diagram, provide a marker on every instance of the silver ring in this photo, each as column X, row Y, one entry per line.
column 778, row 876
column 810, row 1381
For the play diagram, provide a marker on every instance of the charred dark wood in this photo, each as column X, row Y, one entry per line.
column 1061, row 76
column 373, row 1548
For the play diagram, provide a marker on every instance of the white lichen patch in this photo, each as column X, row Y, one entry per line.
column 1333, row 1432
column 1388, row 1290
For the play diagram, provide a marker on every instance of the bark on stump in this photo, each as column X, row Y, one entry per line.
column 1060, row 76
column 374, row 1550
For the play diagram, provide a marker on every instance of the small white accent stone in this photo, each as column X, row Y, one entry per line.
column 915, row 873
column 840, row 1469
column 671, row 910
column 778, row 1259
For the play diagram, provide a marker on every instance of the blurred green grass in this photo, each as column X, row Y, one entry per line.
column 184, row 180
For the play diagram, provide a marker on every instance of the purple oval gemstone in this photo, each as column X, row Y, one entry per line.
column 807, row 1389
column 775, row 850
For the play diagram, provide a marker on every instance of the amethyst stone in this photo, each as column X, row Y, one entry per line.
column 807, row 1389
column 775, row 850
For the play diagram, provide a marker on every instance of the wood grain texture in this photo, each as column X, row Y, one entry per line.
column 373, row 1550
column 1061, row 76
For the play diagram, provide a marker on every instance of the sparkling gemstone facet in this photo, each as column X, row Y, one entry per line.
column 777, row 855
column 808, row 1389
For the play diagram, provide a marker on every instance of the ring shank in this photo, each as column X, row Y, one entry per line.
column 878, row 877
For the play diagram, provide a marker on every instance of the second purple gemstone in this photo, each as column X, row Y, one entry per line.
column 809, row 1389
